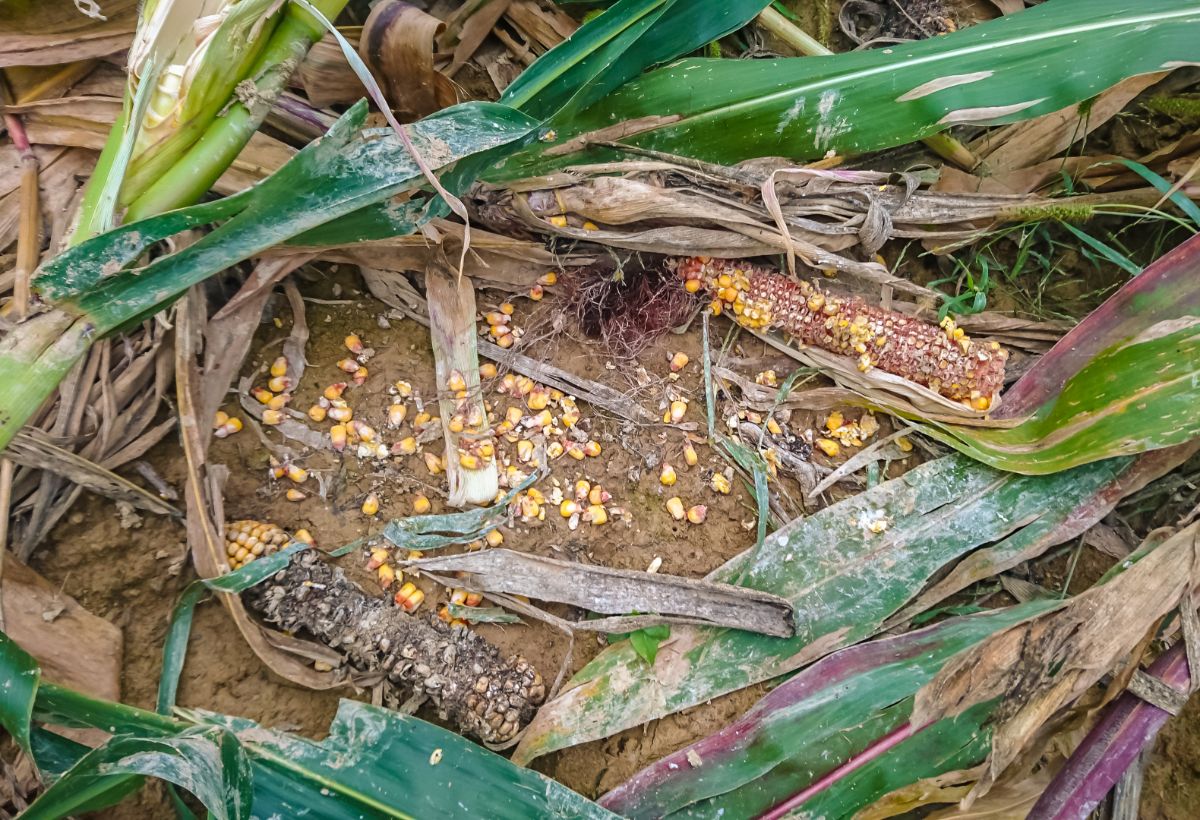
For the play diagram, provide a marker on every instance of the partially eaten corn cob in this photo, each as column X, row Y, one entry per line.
column 942, row 358
column 461, row 672
column 248, row 540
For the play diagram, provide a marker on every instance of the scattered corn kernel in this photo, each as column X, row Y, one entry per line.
column 487, row 370
column 305, row 536
column 536, row 293
column 679, row 361
column 337, row 435
column 279, row 402
column 421, row 504
column 575, row 451
column 558, row 221
column 721, row 484
column 505, row 342
column 279, row 366
column 370, row 504
column 599, row 495
column 294, row 495
column 494, row 538
column 469, row 461
column 232, row 425
column 403, row 389
column 538, row 398
column 904, row 444
column 555, row 449
column 409, row 597
column 335, row 391
column 433, row 463
column 279, row 384
column 353, row 344
column 456, row 382
column 360, row 375
column 220, row 418
column 340, row 412
column 379, row 557
column 675, row 508
column 568, row 508
column 272, row 417
column 591, row 448
column 828, row 446
column 697, row 514
column 296, row 473
column 405, row 446
column 596, row 514
column 386, row 575
column 590, row 226
column 677, row 411
column 548, row 279
column 666, row 475
column 773, row 427
column 690, row 456
column 263, row 395
column 348, row 365
column 835, row 422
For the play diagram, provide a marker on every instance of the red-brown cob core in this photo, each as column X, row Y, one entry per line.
column 942, row 358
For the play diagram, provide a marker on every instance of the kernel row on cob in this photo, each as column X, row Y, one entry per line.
column 247, row 540
column 464, row 675
column 941, row 358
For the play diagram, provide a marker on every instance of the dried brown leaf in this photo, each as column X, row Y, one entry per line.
column 397, row 42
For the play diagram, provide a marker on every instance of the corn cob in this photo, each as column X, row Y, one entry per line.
column 942, row 358
column 246, row 541
column 460, row 671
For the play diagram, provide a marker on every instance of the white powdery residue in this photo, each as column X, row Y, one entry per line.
column 987, row 113
column 828, row 127
column 796, row 109
column 942, row 83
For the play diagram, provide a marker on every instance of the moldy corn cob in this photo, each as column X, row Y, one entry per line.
column 460, row 671
column 942, row 358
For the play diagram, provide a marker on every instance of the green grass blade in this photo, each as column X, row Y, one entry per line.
column 1001, row 71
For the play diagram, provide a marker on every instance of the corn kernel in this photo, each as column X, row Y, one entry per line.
column 524, row 450
column 486, row 450
column 279, row 384
column 693, row 285
column 690, row 456
column 272, row 417
column 469, row 461
column 279, row 402
column 340, row 412
column 505, row 342
column 433, row 463
column 232, row 425
column 548, row 279
column 558, row 221
column 575, row 451
column 405, row 446
column 666, row 475
column 337, row 435
column 494, row 538
column 598, row 495
column 675, row 508
column 403, row 389
column 360, row 376
column 773, row 427
column 568, row 508
column 596, row 514
column 536, row 293
column 421, row 504
column 590, row 226
column 569, row 417
column 697, row 514
column 904, row 444
column 677, row 411
column 297, row 473
column 555, row 449
column 370, row 505
column 263, row 395
column 679, row 362
column 348, row 365
column 473, row 599
column 379, row 557
column 591, row 448
column 386, row 575
column 456, row 382
column 219, row 419
column 353, row 344
column 305, row 536
column 538, row 398
column 828, row 446
column 487, row 370
column 409, row 597
column 721, row 484
column 294, row 495
column 279, row 366
column 457, row 423
column 981, row 403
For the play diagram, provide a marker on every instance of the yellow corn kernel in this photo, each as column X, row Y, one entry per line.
column 386, row 575
column 558, row 221
column 379, row 557
column 568, row 508
column 421, row 504
column 360, row 375
column 294, row 495
column 296, row 473
column 697, row 514
column 828, row 446
column 538, row 398
column 505, row 342
column 469, row 461
column 904, row 444
column 396, row 414
column 716, row 307
column 596, row 514
column 582, row 488
column 536, row 293
column 409, row 597
column 693, row 285
column 279, row 366
column 232, row 425
column 403, row 389
column 591, row 448
column 487, row 370
column 675, row 508
column 405, row 446
column 370, row 505
column 679, row 361
column 575, row 451
column 554, row 449
column 348, row 365
column 536, row 494
column 690, row 456
column 543, row 419
column 486, row 450
column 773, row 427
column 279, row 402
column 524, row 450
column 494, row 538
column 279, row 384
column 421, row 419
column 272, row 417
column 337, row 435
column 305, row 536
column 569, row 417
column 590, row 226
column 667, row 476
column 457, row 423
column 363, row 430
column 353, row 344
column 219, row 419
column 721, row 484
column 263, row 395
column 340, row 412
column 456, row 382
column 317, row 413
column 981, row 403
column 835, row 422
column 548, row 279
column 433, row 463
column 598, row 495
column 677, row 411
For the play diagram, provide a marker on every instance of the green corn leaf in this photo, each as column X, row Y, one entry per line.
column 1001, row 71
column 817, row 720
column 1125, row 380
column 843, row 580
column 21, row 679
column 336, row 175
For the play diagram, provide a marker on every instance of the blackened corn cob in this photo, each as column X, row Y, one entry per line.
column 460, row 671
column 942, row 358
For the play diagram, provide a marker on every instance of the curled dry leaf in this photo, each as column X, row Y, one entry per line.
column 1041, row 665
column 397, row 42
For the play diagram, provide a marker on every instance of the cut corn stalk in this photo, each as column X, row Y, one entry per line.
column 465, row 676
